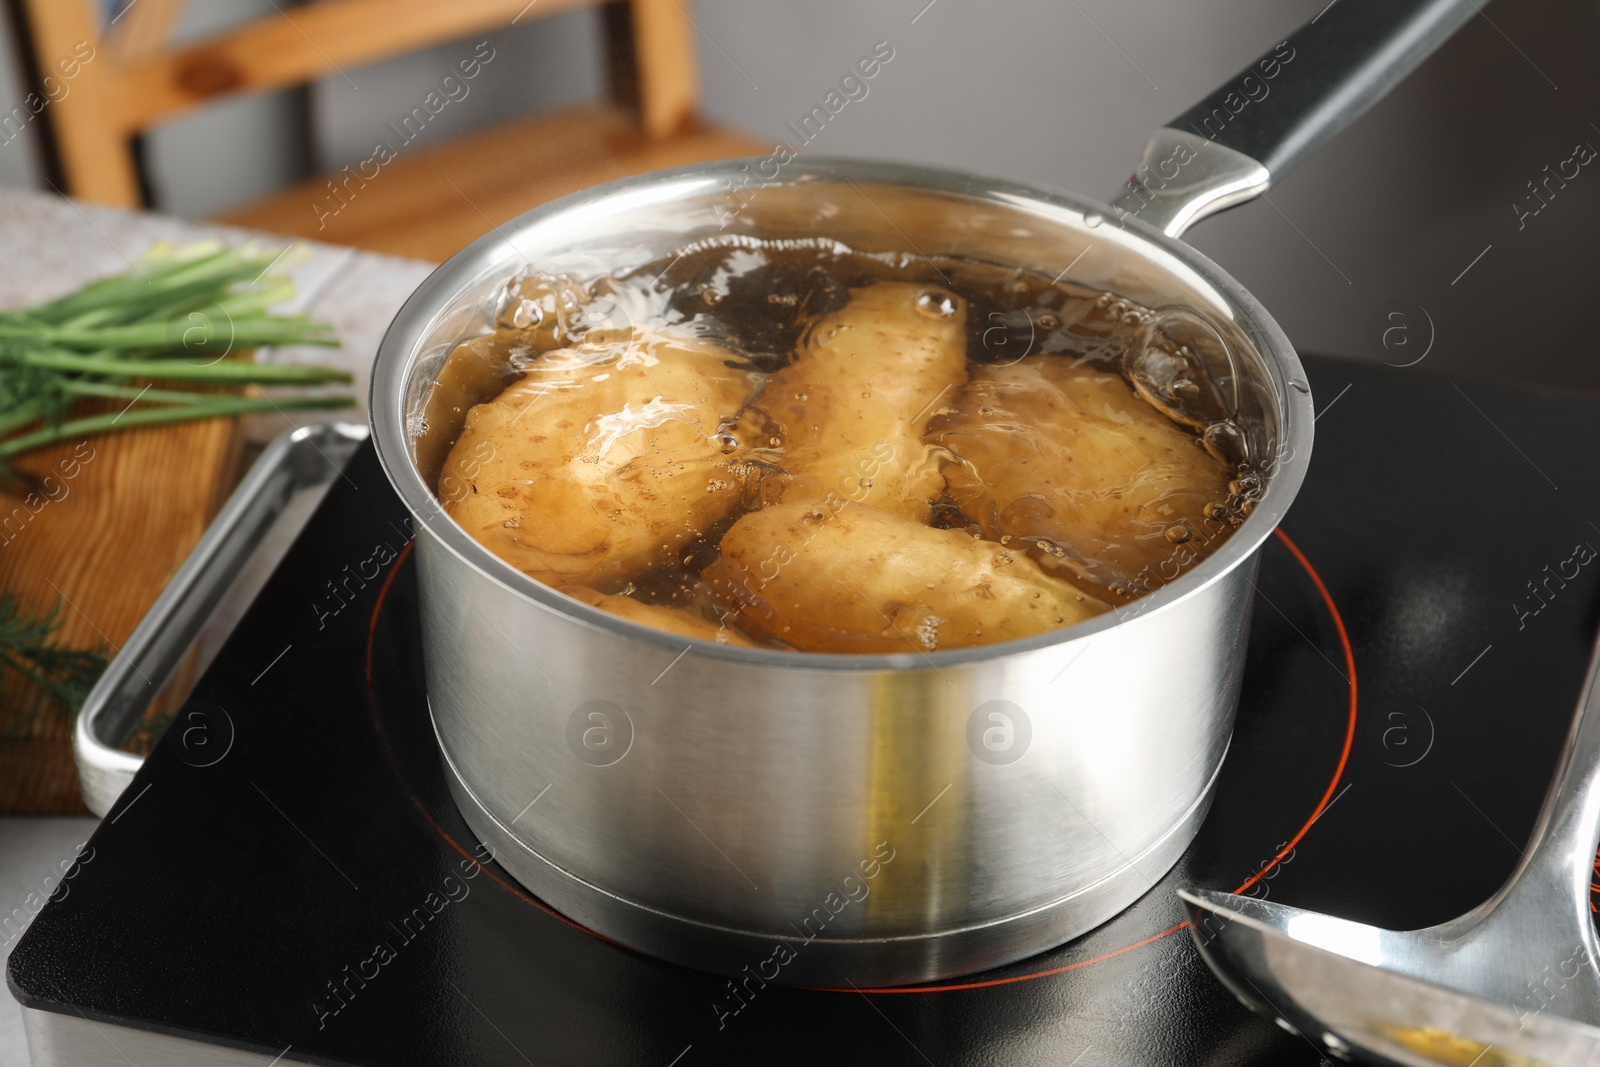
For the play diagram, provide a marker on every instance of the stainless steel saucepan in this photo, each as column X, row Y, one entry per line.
column 878, row 819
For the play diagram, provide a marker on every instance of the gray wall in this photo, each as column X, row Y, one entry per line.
column 1381, row 221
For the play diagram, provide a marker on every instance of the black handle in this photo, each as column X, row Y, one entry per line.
column 1284, row 106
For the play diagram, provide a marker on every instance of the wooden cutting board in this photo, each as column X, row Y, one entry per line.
column 119, row 513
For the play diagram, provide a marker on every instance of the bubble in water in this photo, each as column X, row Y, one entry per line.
column 936, row 304
column 1048, row 322
column 711, row 296
column 1093, row 219
column 1247, row 484
column 1177, row 533
column 801, row 396
column 527, row 314
column 1180, row 364
column 1225, row 441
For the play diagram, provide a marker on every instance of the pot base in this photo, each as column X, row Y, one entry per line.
column 824, row 961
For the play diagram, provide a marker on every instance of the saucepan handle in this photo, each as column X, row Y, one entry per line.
column 1257, row 126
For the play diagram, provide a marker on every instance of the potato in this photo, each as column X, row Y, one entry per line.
column 602, row 460
column 1069, row 458
column 861, row 579
column 849, row 412
column 672, row 620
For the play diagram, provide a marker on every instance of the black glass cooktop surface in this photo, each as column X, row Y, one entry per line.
column 1422, row 627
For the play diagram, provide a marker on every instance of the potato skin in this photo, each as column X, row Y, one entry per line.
column 672, row 620
column 602, row 460
column 861, row 579
column 849, row 411
column 1070, row 459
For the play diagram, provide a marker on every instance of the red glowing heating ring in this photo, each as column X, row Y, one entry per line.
column 1327, row 796
column 1594, row 884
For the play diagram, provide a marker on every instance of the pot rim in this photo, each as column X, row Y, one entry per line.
column 412, row 325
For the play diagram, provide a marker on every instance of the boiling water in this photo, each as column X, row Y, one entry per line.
column 759, row 302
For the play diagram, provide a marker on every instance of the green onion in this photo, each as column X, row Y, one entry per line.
column 173, row 317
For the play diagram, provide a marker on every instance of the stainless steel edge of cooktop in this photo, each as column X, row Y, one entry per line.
column 56, row 1040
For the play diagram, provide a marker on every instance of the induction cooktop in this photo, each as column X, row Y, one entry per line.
column 310, row 894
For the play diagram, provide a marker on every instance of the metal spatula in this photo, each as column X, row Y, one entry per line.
column 1512, row 983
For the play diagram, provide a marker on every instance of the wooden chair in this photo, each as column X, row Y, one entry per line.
column 428, row 201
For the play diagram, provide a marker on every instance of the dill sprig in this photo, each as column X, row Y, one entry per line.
column 27, row 647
